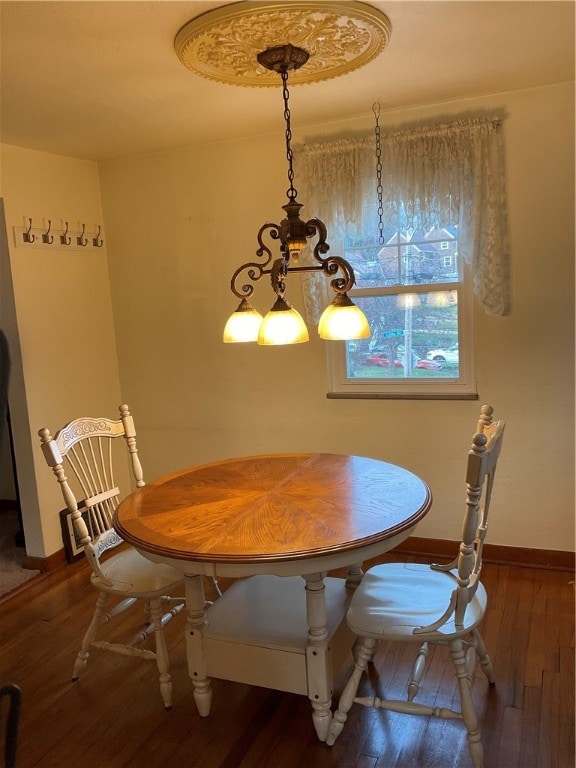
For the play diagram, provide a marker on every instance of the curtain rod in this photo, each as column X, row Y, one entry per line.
column 406, row 134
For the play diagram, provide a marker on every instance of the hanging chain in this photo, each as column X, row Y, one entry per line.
column 379, row 188
column 291, row 192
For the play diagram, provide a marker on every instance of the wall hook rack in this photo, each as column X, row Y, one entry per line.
column 52, row 238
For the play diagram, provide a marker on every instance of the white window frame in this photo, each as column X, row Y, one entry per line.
column 461, row 387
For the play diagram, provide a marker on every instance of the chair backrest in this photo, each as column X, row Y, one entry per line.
column 480, row 472
column 84, row 449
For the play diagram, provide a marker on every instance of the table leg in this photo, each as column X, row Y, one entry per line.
column 195, row 600
column 318, row 666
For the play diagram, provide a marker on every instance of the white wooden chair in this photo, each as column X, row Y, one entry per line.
column 84, row 448
column 432, row 604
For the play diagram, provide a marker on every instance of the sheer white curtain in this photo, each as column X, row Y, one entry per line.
column 449, row 174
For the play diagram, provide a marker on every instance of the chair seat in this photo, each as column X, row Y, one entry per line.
column 133, row 575
column 394, row 599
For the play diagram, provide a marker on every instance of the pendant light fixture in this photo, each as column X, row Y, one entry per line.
column 232, row 44
column 342, row 319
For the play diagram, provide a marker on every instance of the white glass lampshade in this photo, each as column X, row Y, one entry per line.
column 282, row 325
column 343, row 320
column 243, row 324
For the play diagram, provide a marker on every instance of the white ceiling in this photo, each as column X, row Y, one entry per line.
column 100, row 80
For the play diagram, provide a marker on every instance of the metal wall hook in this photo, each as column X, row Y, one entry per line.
column 46, row 236
column 28, row 236
column 64, row 239
column 97, row 241
column 81, row 240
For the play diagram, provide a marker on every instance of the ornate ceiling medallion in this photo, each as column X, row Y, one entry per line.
column 339, row 36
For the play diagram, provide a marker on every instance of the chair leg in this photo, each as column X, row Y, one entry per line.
column 90, row 635
column 365, row 652
column 485, row 661
column 162, row 660
column 467, row 705
column 417, row 671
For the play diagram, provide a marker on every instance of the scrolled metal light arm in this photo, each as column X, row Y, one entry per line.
column 280, row 268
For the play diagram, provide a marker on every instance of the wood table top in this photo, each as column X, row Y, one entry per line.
column 273, row 507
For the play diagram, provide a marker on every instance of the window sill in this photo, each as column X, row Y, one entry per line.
column 401, row 396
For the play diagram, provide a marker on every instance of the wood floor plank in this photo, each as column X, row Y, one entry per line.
column 530, row 735
column 365, row 761
column 566, row 696
column 548, row 727
column 510, row 743
column 536, row 652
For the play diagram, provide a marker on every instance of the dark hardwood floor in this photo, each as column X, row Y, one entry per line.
column 113, row 716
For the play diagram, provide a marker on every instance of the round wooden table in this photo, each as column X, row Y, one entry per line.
column 281, row 515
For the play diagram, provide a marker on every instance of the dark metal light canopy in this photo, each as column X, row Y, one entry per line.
column 342, row 319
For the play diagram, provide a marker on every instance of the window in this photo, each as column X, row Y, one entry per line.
column 418, row 308
column 423, row 238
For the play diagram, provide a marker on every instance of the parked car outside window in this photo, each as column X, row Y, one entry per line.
column 381, row 360
column 448, row 355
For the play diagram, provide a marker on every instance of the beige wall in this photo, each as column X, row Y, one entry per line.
column 56, row 310
column 178, row 224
